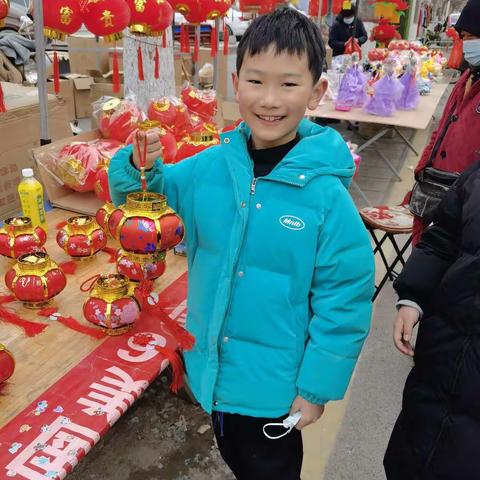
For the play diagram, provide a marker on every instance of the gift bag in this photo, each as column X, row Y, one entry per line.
column 352, row 46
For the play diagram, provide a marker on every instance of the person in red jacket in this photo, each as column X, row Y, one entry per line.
column 455, row 145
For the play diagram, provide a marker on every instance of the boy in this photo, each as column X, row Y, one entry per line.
column 280, row 265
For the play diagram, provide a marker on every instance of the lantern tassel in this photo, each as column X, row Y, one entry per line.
column 60, row 225
column 116, row 73
column 141, row 77
column 56, row 73
column 157, row 64
column 164, row 39
column 176, row 364
column 182, row 38
column 225, row 39
column 213, row 42
column 3, row 108
column 69, row 267
column 195, row 49
column 112, row 252
column 30, row 328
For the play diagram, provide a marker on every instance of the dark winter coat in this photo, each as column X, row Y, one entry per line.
column 437, row 435
column 341, row 32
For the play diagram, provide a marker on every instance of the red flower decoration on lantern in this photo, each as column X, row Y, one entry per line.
column 35, row 279
column 7, row 364
column 4, row 7
column 19, row 236
column 61, row 18
column 106, row 18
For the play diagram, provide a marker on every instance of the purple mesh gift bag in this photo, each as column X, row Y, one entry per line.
column 352, row 90
column 387, row 91
column 410, row 95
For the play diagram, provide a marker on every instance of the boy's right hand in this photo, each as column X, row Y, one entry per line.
column 154, row 148
column 406, row 319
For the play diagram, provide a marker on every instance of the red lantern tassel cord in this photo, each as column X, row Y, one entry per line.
column 213, row 42
column 60, row 225
column 141, row 77
column 56, row 74
column 195, row 49
column 30, row 328
column 116, row 73
column 3, row 108
column 157, row 64
column 225, row 39
column 164, row 39
column 112, row 252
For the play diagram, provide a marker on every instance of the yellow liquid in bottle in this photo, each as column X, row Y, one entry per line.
column 31, row 199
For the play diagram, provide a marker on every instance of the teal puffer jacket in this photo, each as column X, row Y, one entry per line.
column 280, row 270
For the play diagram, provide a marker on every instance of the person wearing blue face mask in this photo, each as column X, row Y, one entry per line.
column 346, row 25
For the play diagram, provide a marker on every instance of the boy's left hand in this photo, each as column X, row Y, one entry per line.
column 311, row 412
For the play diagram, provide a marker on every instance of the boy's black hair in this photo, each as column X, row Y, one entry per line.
column 289, row 31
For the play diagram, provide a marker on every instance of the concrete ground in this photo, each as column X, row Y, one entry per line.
column 165, row 437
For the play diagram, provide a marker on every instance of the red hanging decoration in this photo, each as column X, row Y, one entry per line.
column 213, row 42
column 56, row 74
column 225, row 39
column 69, row 267
column 164, row 18
column 195, row 49
column 3, row 108
column 164, row 39
column 116, row 73
column 157, row 64
column 30, row 328
column 141, row 76
column 112, row 252
column 61, row 18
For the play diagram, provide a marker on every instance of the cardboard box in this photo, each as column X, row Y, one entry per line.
column 59, row 195
column 99, row 90
column 66, row 95
column 81, row 87
column 86, row 52
column 20, row 132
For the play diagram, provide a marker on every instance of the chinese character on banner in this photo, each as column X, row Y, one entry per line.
column 66, row 15
column 107, row 19
column 140, row 5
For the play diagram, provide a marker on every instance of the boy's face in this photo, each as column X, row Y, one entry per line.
column 273, row 92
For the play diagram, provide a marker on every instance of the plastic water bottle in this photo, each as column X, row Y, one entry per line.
column 31, row 198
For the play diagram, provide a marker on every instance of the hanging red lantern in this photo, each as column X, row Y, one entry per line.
column 250, row 5
column 35, row 279
column 313, row 7
column 164, row 18
column 112, row 304
column 106, row 18
column 145, row 14
column 4, row 8
column 216, row 8
column 183, row 6
column 204, row 136
column 103, row 214
column 196, row 13
column 138, row 267
column 19, row 236
column 61, row 18
column 146, row 224
column 7, row 364
column 81, row 238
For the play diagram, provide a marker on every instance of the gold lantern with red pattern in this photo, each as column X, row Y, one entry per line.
column 138, row 266
column 81, row 238
column 203, row 136
column 19, row 236
column 35, row 279
column 7, row 364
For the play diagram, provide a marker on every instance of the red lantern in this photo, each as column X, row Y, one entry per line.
column 7, row 364
column 101, row 187
column 164, row 18
column 19, row 236
column 112, row 304
column 144, row 15
column 117, row 119
column 216, row 8
column 313, row 7
column 106, row 18
column 201, row 102
column 162, row 110
column 4, row 7
column 103, row 214
column 196, row 13
column 81, row 238
column 61, row 18
column 146, row 224
column 35, row 279
column 138, row 267
column 203, row 137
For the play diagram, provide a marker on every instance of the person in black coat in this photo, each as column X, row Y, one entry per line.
column 437, row 434
column 346, row 25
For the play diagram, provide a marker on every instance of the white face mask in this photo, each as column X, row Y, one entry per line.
column 349, row 20
column 471, row 52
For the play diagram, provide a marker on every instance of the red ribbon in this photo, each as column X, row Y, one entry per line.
column 157, row 64
column 56, row 73
column 141, row 76
column 213, row 42
column 116, row 73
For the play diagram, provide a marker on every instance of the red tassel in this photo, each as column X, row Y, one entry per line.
column 112, row 252
column 47, row 311
column 3, row 108
column 185, row 339
column 213, row 42
column 164, row 39
column 56, row 73
column 30, row 328
column 60, row 225
column 225, row 39
column 157, row 64
column 182, row 38
column 143, row 291
column 69, row 267
column 140, row 64
column 195, row 49
column 116, row 73
column 176, row 363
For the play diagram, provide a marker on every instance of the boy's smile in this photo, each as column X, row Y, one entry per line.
column 273, row 91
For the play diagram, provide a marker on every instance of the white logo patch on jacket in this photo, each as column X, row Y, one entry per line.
column 291, row 222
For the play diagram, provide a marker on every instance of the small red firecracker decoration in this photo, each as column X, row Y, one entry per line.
column 138, row 267
column 201, row 102
column 146, row 224
column 7, row 364
column 204, row 136
column 103, row 214
column 117, row 119
column 19, row 236
column 112, row 304
column 35, row 279
column 81, row 238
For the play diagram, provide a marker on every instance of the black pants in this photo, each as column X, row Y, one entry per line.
column 251, row 455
